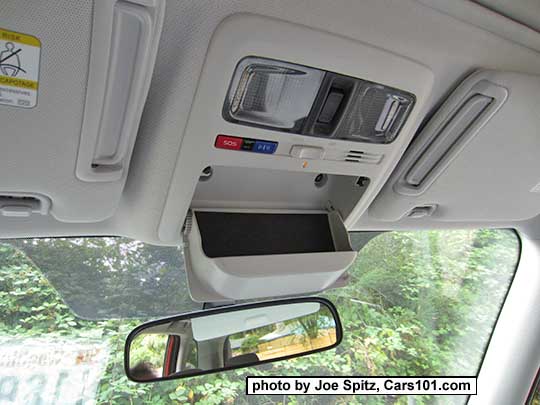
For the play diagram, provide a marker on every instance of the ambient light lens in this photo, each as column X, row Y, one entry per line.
column 271, row 93
column 375, row 114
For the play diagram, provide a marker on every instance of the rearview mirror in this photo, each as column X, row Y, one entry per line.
column 230, row 337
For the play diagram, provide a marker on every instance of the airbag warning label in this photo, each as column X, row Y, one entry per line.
column 19, row 69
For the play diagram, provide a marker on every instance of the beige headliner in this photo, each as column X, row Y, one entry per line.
column 451, row 47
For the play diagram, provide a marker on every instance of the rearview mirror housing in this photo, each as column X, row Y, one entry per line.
column 230, row 337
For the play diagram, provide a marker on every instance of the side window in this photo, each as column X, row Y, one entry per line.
column 147, row 356
column 534, row 399
column 425, row 302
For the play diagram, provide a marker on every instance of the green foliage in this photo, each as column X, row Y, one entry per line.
column 29, row 305
column 419, row 303
column 104, row 278
column 250, row 344
column 536, row 397
column 148, row 349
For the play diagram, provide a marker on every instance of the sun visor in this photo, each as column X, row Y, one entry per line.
column 233, row 255
column 67, row 139
column 475, row 160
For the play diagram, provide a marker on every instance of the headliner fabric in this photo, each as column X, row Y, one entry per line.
column 526, row 12
column 449, row 47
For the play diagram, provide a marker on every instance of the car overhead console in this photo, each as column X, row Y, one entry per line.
column 278, row 125
column 297, row 99
column 232, row 255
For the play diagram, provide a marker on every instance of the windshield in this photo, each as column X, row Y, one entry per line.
column 418, row 303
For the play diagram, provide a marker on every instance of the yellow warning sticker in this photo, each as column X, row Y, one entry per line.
column 19, row 69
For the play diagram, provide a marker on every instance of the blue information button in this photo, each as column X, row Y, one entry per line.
column 264, row 147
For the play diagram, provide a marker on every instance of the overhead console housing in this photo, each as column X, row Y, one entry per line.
column 482, row 143
column 278, row 124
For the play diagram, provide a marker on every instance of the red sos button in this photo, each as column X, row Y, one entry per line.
column 228, row 142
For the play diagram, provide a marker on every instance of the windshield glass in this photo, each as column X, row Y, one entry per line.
column 418, row 303
column 110, row 278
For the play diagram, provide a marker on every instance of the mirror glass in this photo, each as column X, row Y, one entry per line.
column 230, row 337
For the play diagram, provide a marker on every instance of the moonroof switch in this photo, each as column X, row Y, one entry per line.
column 331, row 105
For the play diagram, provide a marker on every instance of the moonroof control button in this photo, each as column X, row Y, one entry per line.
column 307, row 152
column 331, row 105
